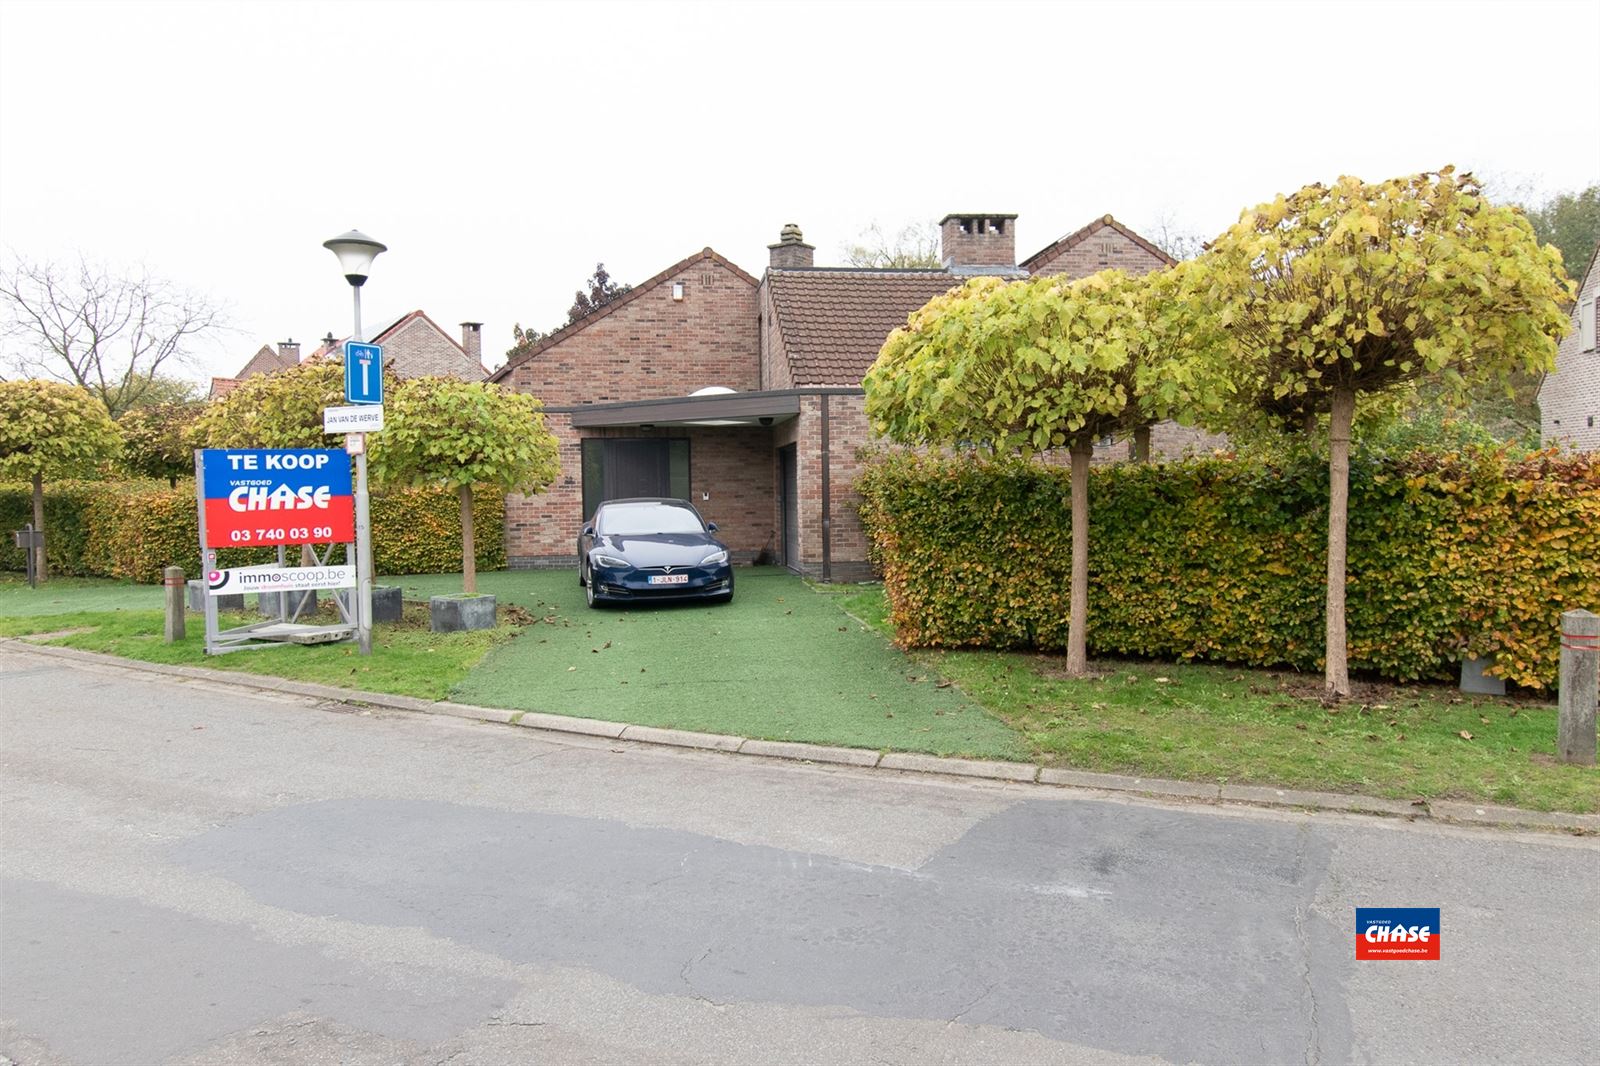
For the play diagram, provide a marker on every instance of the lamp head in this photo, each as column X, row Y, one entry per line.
column 356, row 251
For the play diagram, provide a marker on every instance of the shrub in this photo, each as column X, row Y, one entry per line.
column 1222, row 559
column 135, row 529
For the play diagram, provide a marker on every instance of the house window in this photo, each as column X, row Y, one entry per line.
column 617, row 468
column 1586, row 311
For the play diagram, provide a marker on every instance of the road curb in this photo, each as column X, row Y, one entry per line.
column 1442, row 811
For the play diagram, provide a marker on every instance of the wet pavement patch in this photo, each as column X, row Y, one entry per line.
column 1135, row 930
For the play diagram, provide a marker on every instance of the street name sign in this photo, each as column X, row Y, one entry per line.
column 276, row 496
column 363, row 373
column 361, row 418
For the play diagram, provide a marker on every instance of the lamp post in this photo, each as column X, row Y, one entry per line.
column 356, row 251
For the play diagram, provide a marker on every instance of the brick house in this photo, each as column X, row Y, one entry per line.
column 1569, row 397
column 413, row 346
column 743, row 394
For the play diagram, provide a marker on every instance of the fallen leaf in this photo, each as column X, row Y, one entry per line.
column 1513, row 712
column 1163, row 680
column 571, row 668
column 1482, row 719
column 944, row 684
column 1464, row 735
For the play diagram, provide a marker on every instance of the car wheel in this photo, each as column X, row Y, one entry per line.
column 583, row 582
column 588, row 592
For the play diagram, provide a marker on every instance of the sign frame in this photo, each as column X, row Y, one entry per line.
column 286, row 627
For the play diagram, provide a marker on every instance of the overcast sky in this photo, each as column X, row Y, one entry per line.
column 501, row 149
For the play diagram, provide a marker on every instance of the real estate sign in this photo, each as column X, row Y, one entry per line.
column 276, row 496
column 242, row 579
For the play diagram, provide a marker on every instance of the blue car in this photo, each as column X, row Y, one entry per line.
column 652, row 549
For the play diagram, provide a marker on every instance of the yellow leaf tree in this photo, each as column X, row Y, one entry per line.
column 1033, row 365
column 1351, row 289
column 51, row 430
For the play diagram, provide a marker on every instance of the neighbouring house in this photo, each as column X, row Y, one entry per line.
column 413, row 346
column 1569, row 397
column 743, row 394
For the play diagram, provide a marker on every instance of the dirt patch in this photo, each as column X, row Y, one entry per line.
column 511, row 614
column 57, row 634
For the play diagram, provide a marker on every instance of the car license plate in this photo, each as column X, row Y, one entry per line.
column 669, row 579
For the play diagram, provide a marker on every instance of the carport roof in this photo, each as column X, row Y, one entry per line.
column 728, row 409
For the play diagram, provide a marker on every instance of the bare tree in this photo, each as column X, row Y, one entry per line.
column 1172, row 237
column 110, row 333
column 915, row 245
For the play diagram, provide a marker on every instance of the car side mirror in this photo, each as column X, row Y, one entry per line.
column 711, row 527
column 588, row 531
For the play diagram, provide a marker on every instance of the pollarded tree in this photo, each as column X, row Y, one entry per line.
column 156, row 440
column 1341, row 291
column 1034, row 365
column 440, row 431
column 49, row 430
column 278, row 410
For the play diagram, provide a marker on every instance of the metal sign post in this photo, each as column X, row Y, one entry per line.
column 363, row 386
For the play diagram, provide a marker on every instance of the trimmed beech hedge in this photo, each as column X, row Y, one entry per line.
column 1225, row 559
column 134, row 529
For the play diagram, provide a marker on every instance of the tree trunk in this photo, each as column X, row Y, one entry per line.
column 1337, row 678
column 1077, row 645
column 1308, row 423
column 38, row 524
column 469, row 560
column 1141, row 444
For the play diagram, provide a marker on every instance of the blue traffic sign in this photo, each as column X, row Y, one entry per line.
column 363, row 373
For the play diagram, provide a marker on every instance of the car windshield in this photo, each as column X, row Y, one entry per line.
column 638, row 519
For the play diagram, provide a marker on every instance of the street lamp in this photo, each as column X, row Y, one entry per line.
column 356, row 251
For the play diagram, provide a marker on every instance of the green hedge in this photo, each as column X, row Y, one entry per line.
column 134, row 529
column 1224, row 559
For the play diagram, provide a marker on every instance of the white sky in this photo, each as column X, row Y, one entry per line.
column 501, row 149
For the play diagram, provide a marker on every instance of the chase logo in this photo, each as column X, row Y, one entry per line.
column 1397, row 933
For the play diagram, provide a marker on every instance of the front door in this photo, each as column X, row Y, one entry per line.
column 789, row 483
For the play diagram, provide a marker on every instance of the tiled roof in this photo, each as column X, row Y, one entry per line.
column 1072, row 240
column 220, row 387
column 834, row 321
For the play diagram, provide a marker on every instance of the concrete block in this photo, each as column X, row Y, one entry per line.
column 933, row 764
column 197, row 599
column 306, row 602
column 783, row 749
column 1474, row 680
column 465, row 710
column 681, row 738
column 386, row 603
column 560, row 723
column 1155, row 786
column 1486, row 814
column 456, row 614
column 1323, row 801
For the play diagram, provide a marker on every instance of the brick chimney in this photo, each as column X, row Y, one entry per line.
column 472, row 339
column 791, row 252
column 976, row 242
column 288, row 353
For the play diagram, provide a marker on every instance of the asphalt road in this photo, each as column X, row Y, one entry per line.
column 192, row 874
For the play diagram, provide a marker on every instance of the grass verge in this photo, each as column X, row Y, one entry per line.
column 407, row 658
column 1226, row 725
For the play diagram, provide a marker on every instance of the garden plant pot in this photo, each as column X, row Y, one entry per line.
column 455, row 614
column 387, row 605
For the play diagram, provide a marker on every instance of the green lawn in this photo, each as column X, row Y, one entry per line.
column 407, row 658
column 781, row 662
column 1222, row 724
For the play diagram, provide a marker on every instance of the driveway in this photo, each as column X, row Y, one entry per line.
column 195, row 875
column 781, row 662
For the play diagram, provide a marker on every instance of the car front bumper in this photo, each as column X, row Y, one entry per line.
column 630, row 584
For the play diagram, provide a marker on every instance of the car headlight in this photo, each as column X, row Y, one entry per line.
column 609, row 561
column 716, row 558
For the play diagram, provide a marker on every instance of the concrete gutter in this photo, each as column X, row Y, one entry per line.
column 1444, row 811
